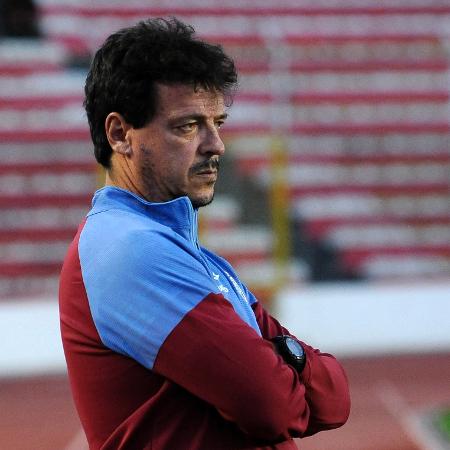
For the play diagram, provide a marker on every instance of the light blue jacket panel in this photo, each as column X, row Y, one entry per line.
column 144, row 270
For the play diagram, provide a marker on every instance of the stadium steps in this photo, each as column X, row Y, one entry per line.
column 367, row 143
column 22, row 56
column 336, row 195
column 249, row 243
column 35, row 233
column 370, row 76
column 46, row 170
column 85, row 24
column 348, row 86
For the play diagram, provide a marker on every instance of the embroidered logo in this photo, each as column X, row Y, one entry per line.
column 236, row 286
column 221, row 287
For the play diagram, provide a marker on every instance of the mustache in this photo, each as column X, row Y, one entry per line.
column 210, row 164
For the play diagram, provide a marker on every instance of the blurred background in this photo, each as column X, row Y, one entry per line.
column 333, row 203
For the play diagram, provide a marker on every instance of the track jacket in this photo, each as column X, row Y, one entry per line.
column 167, row 349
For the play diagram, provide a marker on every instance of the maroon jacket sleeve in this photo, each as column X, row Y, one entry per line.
column 217, row 357
column 326, row 385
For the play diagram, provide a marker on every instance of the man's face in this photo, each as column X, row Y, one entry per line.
column 177, row 153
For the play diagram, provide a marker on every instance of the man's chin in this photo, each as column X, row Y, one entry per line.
column 200, row 201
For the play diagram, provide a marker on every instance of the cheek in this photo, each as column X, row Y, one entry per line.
column 181, row 162
column 173, row 158
column 177, row 169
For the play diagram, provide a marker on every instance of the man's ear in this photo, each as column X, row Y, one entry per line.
column 116, row 129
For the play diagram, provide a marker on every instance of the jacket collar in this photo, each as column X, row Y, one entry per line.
column 177, row 214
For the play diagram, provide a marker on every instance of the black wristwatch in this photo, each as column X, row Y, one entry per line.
column 291, row 351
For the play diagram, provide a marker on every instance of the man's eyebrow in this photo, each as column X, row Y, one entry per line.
column 197, row 117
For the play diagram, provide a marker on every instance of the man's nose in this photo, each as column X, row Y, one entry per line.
column 212, row 142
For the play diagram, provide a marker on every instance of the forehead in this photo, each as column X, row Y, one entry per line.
column 179, row 100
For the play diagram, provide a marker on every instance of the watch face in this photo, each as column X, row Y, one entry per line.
column 294, row 347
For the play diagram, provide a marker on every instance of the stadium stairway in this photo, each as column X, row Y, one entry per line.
column 367, row 138
column 46, row 172
column 357, row 92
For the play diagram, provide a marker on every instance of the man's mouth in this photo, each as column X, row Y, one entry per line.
column 209, row 176
column 206, row 168
column 206, row 172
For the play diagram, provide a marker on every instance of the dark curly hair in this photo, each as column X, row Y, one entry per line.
column 125, row 69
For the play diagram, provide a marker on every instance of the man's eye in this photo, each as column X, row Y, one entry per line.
column 219, row 123
column 187, row 127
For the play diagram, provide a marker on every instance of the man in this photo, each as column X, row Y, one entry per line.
column 166, row 348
